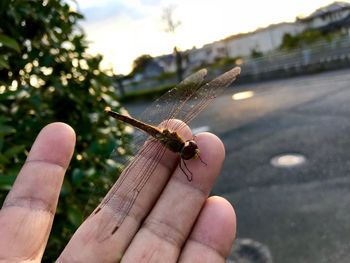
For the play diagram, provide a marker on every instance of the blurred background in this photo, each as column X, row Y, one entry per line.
column 284, row 122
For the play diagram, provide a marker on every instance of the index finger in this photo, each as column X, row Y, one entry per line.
column 96, row 236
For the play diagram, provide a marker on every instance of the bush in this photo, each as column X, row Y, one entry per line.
column 147, row 94
column 46, row 76
column 306, row 37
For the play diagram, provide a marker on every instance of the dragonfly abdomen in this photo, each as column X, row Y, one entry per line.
column 151, row 130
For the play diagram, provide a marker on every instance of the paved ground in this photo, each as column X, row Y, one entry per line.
column 301, row 214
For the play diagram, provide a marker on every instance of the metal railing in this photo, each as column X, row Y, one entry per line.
column 323, row 55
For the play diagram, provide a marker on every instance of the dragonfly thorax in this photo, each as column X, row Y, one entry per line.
column 190, row 150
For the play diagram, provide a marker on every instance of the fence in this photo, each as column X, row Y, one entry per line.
column 322, row 56
column 318, row 57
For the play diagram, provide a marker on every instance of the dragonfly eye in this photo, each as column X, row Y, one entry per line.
column 190, row 150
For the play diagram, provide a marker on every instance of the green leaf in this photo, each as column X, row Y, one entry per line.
column 77, row 176
column 4, row 63
column 75, row 216
column 4, row 5
column 5, row 130
column 9, row 42
column 14, row 151
column 6, row 182
column 66, row 188
column 4, row 159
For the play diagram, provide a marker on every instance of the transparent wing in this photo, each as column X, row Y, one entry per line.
column 205, row 94
column 161, row 110
column 165, row 108
column 129, row 185
column 183, row 102
column 142, row 168
column 169, row 105
column 189, row 98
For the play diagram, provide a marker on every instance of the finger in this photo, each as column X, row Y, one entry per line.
column 213, row 234
column 27, row 213
column 95, row 240
column 167, row 227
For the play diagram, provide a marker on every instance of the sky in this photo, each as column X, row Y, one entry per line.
column 122, row 30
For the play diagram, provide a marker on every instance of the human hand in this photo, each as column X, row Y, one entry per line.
column 181, row 225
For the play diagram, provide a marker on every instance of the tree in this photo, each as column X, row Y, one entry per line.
column 46, row 76
column 307, row 37
column 170, row 26
column 139, row 65
column 255, row 53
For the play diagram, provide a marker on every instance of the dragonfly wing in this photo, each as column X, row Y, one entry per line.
column 204, row 95
column 163, row 109
column 168, row 105
column 120, row 199
column 184, row 102
column 160, row 110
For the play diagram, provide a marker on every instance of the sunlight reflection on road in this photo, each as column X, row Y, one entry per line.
column 243, row 95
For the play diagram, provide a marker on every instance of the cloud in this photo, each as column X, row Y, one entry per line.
column 97, row 11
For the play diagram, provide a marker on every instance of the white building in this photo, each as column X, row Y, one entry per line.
column 167, row 62
column 337, row 13
column 261, row 40
column 207, row 54
column 241, row 45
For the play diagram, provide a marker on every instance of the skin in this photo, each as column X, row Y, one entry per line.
column 171, row 221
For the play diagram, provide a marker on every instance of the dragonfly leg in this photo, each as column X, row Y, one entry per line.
column 186, row 171
column 199, row 156
column 202, row 160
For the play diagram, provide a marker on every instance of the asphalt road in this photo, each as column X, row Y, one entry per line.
column 301, row 213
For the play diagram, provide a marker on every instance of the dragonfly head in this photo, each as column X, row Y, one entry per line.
column 190, row 150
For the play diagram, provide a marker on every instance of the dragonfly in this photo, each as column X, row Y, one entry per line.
column 183, row 102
